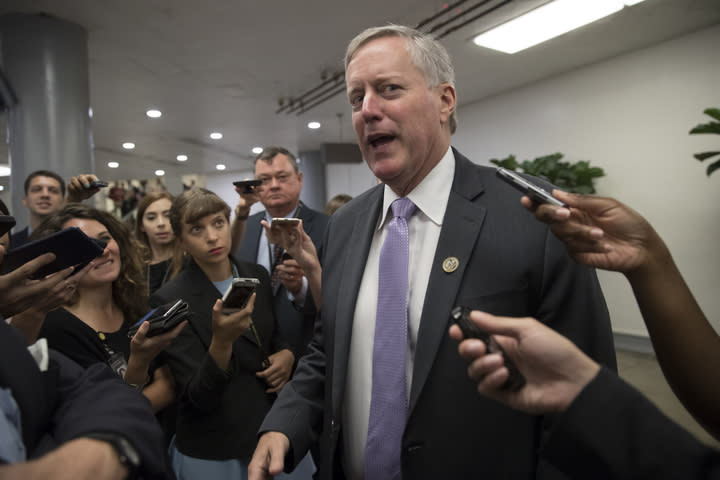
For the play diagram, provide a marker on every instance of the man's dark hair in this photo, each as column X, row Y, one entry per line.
column 269, row 153
column 45, row 173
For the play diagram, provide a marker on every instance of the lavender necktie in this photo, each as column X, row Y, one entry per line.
column 388, row 402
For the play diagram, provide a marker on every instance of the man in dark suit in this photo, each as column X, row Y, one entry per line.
column 44, row 195
column 471, row 243
column 279, row 193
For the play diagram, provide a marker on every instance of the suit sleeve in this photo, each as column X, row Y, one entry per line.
column 613, row 431
column 97, row 400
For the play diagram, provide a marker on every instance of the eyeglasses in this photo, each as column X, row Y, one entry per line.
column 280, row 178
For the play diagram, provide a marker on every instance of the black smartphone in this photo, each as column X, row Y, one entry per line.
column 536, row 194
column 98, row 184
column 461, row 317
column 238, row 294
column 162, row 319
column 71, row 247
column 6, row 223
column 247, row 185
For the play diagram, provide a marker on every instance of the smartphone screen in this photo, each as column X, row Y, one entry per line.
column 238, row 294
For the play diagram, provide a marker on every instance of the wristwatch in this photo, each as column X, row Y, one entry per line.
column 127, row 454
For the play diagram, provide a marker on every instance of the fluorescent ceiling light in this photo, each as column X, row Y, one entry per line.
column 314, row 125
column 159, row 173
column 546, row 22
column 257, row 150
column 152, row 113
column 4, row 170
column 128, row 145
column 220, row 166
column 182, row 158
column 216, row 135
column 113, row 164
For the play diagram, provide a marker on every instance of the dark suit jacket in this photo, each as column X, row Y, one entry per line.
column 219, row 412
column 510, row 264
column 66, row 402
column 612, row 431
column 19, row 238
column 295, row 325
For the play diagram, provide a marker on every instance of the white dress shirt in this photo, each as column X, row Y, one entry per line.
column 431, row 198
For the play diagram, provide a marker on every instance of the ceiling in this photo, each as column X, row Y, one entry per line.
column 222, row 65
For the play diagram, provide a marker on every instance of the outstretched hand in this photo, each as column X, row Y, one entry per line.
column 555, row 370
column 601, row 232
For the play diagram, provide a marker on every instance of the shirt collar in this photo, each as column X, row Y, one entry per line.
column 431, row 195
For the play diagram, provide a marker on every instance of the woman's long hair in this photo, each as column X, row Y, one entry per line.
column 142, row 238
column 129, row 290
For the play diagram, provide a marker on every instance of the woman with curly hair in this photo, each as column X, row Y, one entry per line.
column 93, row 326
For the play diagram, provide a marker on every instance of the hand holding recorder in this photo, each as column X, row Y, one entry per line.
column 555, row 370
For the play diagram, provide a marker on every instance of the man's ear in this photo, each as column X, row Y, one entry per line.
column 300, row 177
column 25, row 201
column 448, row 101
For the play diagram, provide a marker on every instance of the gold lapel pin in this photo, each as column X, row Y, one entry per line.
column 450, row 264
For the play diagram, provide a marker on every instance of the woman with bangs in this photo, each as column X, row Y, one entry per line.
column 228, row 368
column 110, row 297
column 153, row 231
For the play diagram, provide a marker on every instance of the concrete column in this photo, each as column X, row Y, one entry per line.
column 45, row 60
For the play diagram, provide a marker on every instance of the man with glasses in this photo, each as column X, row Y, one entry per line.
column 279, row 193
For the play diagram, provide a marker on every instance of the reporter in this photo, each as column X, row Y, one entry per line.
column 604, row 427
column 604, row 233
column 92, row 327
column 153, row 231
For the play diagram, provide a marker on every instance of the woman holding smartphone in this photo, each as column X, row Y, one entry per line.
column 153, row 231
column 219, row 361
column 93, row 326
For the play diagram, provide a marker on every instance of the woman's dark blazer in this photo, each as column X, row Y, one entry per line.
column 219, row 412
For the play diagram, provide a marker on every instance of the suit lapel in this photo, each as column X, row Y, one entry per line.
column 357, row 247
column 461, row 227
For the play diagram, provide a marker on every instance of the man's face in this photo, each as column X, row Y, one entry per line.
column 401, row 124
column 280, row 191
column 44, row 196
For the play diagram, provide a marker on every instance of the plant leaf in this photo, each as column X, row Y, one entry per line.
column 712, row 167
column 705, row 155
column 713, row 127
column 713, row 112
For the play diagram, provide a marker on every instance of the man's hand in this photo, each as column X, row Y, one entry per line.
column 555, row 370
column 79, row 459
column 79, row 188
column 291, row 275
column 18, row 291
column 278, row 373
column 601, row 232
column 269, row 457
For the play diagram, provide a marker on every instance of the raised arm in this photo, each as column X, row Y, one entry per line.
column 604, row 233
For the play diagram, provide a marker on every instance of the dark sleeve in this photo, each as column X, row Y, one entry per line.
column 97, row 400
column 198, row 379
column 613, row 431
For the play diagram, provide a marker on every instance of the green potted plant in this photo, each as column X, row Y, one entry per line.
column 712, row 127
column 578, row 177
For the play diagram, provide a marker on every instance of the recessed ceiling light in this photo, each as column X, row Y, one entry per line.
column 113, row 164
column 159, row 173
column 257, row 150
column 314, row 125
column 216, row 135
column 5, row 170
column 2, row 188
column 90, row 112
column 128, row 145
column 152, row 113
column 220, row 166
column 182, row 158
